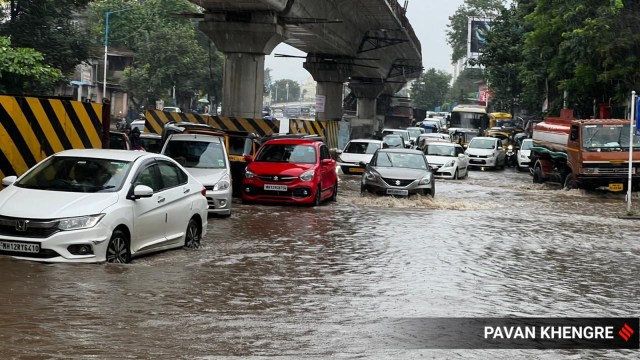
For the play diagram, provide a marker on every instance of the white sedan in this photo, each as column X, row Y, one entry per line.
column 356, row 151
column 100, row 205
column 447, row 160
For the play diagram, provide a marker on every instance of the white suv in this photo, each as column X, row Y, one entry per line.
column 205, row 158
column 486, row 152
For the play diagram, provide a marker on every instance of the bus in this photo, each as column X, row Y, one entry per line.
column 469, row 117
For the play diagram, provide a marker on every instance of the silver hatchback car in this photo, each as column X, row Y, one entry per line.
column 398, row 172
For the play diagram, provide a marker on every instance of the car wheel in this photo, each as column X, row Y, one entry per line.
column 570, row 182
column 455, row 175
column 363, row 188
column 192, row 235
column 432, row 192
column 537, row 175
column 118, row 248
column 318, row 198
column 334, row 196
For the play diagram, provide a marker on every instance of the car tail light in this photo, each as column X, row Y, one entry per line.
column 203, row 191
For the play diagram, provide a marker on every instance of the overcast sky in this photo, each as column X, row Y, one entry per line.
column 429, row 19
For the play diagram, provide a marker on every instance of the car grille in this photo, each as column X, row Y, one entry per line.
column 479, row 156
column 295, row 193
column 276, row 178
column 27, row 228
column 397, row 182
column 43, row 254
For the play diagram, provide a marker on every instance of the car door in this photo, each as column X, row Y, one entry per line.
column 148, row 213
column 463, row 162
column 177, row 194
column 328, row 170
column 501, row 154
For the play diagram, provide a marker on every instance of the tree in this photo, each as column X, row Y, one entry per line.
column 22, row 70
column 279, row 87
column 49, row 27
column 430, row 89
column 169, row 49
column 466, row 86
column 459, row 22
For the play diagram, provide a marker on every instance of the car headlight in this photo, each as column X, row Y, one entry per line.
column 249, row 174
column 223, row 184
column 307, row 175
column 80, row 222
column 425, row 180
column 449, row 164
column 370, row 175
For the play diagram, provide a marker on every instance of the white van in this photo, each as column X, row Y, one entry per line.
column 205, row 158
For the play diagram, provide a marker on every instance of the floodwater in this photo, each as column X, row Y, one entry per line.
column 312, row 282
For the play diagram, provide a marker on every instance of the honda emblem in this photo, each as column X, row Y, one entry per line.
column 22, row 225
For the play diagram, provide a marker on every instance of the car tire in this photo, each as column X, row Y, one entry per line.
column 432, row 191
column 317, row 200
column 334, row 196
column 537, row 175
column 569, row 182
column 192, row 235
column 455, row 175
column 118, row 248
column 363, row 188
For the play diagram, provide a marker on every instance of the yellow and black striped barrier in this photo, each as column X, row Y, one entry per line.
column 328, row 129
column 156, row 120
column 33, row 128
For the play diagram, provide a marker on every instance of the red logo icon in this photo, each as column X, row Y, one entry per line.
column 626, row 332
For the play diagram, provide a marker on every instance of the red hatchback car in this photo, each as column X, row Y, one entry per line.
column 291, row 170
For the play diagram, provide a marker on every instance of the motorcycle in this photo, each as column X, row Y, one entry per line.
column 510, row 159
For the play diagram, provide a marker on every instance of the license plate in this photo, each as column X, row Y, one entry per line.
column 275, row 187
column 19, row 247
column 356, row 170
column 397, row 192
column 616, row 187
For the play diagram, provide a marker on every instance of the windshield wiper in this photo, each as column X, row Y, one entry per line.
column 388, row 157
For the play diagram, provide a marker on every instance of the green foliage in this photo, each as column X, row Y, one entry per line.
column 169, row 50
column 22, row 70
column 466, row 86
column 279, row 91
column 430, row 89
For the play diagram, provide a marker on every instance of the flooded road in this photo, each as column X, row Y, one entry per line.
column 314, row 282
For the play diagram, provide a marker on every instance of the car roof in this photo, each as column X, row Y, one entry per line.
column 150, row 135
column 407, row 151
column 390, row 129
column 367, row 140
column 293, row 141
column 194, row 137
column 445, row 143
column 109, row 154
column 485, row 138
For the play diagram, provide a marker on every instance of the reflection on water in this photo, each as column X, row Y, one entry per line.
column 276, row 280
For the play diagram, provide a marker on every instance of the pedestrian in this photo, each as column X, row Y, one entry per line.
column 136, row 142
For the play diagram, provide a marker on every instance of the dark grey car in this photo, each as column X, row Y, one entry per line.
column 398, row 172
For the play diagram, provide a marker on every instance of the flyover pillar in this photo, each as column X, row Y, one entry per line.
column 244, row 45
column 366, row 124
column 330, row 78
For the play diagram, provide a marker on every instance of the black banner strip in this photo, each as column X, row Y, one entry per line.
column 17, row 138
column 77, row 124
column 56, row 124
column 36, row 126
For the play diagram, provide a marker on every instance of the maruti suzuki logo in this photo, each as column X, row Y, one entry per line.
column 397, row 182
column 275, row 178
column 22, row 225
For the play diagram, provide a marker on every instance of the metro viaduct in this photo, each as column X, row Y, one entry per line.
column 367, row 43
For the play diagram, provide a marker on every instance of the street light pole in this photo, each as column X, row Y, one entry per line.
column 287, row 86
column 106, row 48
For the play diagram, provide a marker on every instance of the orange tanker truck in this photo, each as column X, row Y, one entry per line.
column 584, row 154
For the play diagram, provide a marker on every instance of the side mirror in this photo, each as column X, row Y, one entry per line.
column 362, row 164
column 338, row 151
column 461, row 156
column 9, row 180
column 141, row 191
column 248, row 158
column 327, row 162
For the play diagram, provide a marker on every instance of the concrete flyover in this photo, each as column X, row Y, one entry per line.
column 368, row 43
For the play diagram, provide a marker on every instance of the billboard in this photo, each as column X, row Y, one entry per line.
column 477, row 35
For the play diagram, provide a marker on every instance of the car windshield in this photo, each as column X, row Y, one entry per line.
column 401, row 160
column 526, row 145
column 482, row 144
column 236, row 145
column 153, row 145
column 76, row 174
column 393, row 141
column 197, row 154
column 356, row 147
column 440, row 150
column 403, row 133
column 607, row 137
column 414, row 132
column 287, row 153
